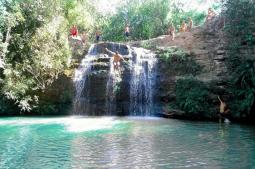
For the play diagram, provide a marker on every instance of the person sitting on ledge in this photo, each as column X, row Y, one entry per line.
column 116, row 59
column 224, row 111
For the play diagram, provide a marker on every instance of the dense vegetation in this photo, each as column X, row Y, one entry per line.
column 240, row 31
column 193, row 96
column 34, row 47
column 147, row 19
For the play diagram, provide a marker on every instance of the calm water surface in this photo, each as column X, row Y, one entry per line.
column 120, row 143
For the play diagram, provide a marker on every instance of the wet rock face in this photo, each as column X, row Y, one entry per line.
column 95, row 90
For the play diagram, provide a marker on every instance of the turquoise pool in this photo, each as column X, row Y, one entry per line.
column 123, row 143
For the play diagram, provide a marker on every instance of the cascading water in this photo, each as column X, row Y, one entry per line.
column 143, row 80
column 81, row 81
column 114, row 79
column 100, row 90
column 110, row 102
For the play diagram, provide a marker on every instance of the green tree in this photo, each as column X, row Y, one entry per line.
column 37, row 50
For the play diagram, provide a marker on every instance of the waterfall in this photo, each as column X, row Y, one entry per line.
column 114, row 78
column 100, row 90
column 110, row 93
column 81, row 81
column 142, row 84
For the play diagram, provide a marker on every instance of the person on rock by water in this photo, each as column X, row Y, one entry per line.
column 127, row 31
column 74, row 31
column 98, row 34
column 190, row 25
column 116, row 59
column 171, row 31
column 183, row 27
column 224, row 111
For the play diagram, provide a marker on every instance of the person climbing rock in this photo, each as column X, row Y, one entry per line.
column 183, row 27
column 74, row 31
column 190, row 25
column 224, row 111
column 98, row 35
column 171, row 31
column 127, row 31
column 116, row 59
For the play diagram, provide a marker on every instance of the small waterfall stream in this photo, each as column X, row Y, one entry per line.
column 81, row 81
column 130, row 91
column 110, row 102
column 143, row 80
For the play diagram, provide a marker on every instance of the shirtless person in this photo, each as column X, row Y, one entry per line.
column 183, row 27
column 190, row 24
column 127, row 31
column 171, row 31
column 224, row 110
column 116, row 59
column 210, row 15
column 98, row 34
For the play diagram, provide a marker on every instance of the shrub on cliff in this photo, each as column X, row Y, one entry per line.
column 180, row 62
column 239, row 30
column 193, row 97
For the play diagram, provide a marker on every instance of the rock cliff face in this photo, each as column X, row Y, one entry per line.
column 99, row 91
column 206, row 47
column 103, row 94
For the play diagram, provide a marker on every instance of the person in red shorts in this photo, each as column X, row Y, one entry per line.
column 74, row 31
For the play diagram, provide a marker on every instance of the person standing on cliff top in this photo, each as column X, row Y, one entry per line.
column 116, row 59
column 171, row 31
column 210, row 15
column 183, row 27
column 127, row 31
column 190, row 25
column 98, row 34
column 224, row 111
column 74, row 31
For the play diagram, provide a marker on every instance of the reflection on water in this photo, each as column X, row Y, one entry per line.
column 78, row 142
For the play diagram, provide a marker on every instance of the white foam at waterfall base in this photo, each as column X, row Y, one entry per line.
column 90, row 124
column 71, row 124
